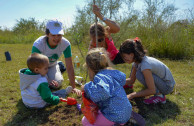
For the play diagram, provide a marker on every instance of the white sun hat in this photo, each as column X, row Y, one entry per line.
column 55, row 27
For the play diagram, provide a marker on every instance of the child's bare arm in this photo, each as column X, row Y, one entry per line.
column 82, row 88
column 132, row 77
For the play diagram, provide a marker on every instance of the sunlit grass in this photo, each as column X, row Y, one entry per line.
column 177, row 111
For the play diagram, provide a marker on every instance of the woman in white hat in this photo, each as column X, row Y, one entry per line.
column 53, row 45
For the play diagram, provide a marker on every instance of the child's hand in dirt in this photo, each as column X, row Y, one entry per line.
column 131, row 96
column 53, row 83
column 77, row 91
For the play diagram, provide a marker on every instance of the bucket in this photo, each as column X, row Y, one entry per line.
column 8, row 56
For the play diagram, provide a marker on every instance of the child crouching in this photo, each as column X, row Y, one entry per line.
column 106, row 90
column 34, row 84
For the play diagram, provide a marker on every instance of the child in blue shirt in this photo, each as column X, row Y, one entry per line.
column 106, row 90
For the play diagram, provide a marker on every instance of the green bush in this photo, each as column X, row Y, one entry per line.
column 161, row 36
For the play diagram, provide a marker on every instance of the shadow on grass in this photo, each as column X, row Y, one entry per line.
column 51, row 115
column 155, row 114
column 63, row 114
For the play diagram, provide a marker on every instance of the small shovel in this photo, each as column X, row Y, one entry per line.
column 70, row 101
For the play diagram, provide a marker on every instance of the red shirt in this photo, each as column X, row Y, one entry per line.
column 111, row 48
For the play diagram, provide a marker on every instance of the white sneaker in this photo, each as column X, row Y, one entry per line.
column 69, row 89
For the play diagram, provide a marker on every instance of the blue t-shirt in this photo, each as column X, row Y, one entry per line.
column 106, row 90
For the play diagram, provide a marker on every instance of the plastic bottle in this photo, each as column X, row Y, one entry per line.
column 76, row 65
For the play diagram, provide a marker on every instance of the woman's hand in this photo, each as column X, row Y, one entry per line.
column 131, row 96
column 77, row 91
column 96, row 11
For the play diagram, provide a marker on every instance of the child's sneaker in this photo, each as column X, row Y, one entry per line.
column 155, row 99
column 128, row 86
column 68, row 90
column 61, row 66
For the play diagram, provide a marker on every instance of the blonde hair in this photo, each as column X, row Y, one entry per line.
column 101, row 30
column 98, row 59
column 36, row 60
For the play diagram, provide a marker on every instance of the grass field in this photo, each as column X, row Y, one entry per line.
column 178, row 111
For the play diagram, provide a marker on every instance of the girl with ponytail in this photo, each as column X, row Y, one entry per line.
column 149, row 71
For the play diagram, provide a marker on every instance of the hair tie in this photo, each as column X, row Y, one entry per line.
column 100, row 53
column 136, row 39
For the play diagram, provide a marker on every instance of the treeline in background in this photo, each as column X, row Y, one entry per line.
column 163, row 33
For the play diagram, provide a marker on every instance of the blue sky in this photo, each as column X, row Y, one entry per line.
column 12, row 10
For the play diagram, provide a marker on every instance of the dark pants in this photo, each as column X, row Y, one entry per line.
column 118, row 59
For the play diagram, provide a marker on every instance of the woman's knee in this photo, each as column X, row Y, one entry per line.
column 59, row 83
column 169, row 90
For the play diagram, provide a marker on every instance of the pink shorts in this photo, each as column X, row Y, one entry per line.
column 100, row 121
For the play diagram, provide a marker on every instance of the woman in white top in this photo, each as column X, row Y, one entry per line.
column 53, row 45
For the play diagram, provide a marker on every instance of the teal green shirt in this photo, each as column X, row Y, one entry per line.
column 47, row 95
column 67, row 52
